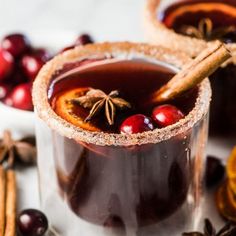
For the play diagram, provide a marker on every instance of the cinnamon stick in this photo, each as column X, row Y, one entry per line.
column 2, row 199
column 193, row 73
column 10, row 229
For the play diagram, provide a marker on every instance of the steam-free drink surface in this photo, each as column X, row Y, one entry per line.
column 135, row 80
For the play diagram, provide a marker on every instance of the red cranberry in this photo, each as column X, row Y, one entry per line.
column 31, row 65
column 6, row 64
column 42, row 53
column 136, row 124
column 166, row 115
column 21, row 97
column 215, row 171
column 4, row 90
column 7, row 101
column 84, row 39
column 32, row 222
column 16, row 44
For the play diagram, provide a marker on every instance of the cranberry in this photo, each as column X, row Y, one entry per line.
column 136, row 124
column 166, row 115
column 31, row 65
column 214, row 171
column 42, row 53
column 84, row 39
column 21, row 97
column 16, row 44
column 32, row 222
column 7, row 101
column 6, row 64
column 4, row 90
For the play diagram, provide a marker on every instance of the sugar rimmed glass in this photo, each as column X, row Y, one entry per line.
column 94, row 183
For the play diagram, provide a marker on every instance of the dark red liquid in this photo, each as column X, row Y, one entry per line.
column 136, row 80
column 121, row 187
column 223, row 109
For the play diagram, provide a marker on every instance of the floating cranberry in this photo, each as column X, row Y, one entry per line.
column 21, row 97
column 166, row 115
column 32, row 222
column 16, row 44
column 31, row 65
column 84, row 39
column 4, row 90
column 6, row 64
column 215, row 171
column 136, row 124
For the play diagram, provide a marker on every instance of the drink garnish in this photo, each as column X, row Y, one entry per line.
column 205, row 30
column 96, row 100
column 193, row 73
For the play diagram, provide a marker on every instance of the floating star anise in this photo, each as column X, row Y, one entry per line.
column 206, row 31
column 97, row 100
column 22, row 150
column 209, row 230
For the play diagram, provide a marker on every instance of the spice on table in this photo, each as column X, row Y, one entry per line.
column 10, row 228
column 209, row 230
column 11, row 151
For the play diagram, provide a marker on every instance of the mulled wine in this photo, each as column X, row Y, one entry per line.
column 210, row 20
column 103, row 179
column 110, row 166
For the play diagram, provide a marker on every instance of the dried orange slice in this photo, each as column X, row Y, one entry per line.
column 231, row 196
column 232, row 185
column 225, row 203
column 204, row 7
column 231, row 166
column 67, row 110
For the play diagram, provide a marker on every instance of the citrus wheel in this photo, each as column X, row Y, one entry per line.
column 208, row 7
column 231, row 166
column 231, row 196
column 63, row 106
column 224, row 204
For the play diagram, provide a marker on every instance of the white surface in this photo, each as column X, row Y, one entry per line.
column 109, row 20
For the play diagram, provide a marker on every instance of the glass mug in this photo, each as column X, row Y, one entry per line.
column 190, row 26
column 105, row 184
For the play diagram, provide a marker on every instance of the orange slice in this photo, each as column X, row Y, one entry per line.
column 231, row 196
column 65, row 109
column 232, row 185
column 206, row 7
column 231, row 166
column 225, row 203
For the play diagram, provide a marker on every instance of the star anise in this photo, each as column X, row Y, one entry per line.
column 97, row 100
column 209, row 230
column 206, row 31
column 22, row 150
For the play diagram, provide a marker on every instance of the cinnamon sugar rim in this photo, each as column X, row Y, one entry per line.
column 158, row 33
column 125, row 50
